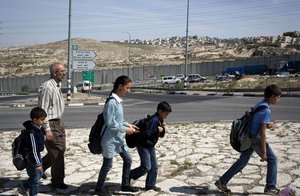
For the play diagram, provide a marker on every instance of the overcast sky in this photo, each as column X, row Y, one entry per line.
column 24, row 22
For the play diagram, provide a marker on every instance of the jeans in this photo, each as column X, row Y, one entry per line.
column 107, row 165
column 34, row 179
column 271, row 179
column 148, row 165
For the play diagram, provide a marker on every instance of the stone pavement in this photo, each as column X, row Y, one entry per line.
column 191, row 157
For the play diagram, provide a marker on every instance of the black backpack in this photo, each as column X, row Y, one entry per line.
column 18, row 152
column 95, row 136
column 133, row 139
column 239, row 134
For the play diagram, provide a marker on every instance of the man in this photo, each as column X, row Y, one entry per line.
column 50, row 98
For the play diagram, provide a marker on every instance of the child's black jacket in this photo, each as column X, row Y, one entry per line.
column 34, row 143
column 150, row 137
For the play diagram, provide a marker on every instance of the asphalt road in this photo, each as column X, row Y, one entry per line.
column 185, row 108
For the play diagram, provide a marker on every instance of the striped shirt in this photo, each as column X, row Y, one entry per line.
column 50, row 98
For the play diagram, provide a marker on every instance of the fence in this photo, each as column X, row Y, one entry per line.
column 142, row 73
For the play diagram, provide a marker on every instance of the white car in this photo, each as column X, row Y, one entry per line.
column 180, row 76
column 84, row 86
column 170, row 80
column 195, row 78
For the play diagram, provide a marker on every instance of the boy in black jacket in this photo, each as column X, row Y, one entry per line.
column 33, row 144
column 146, row 146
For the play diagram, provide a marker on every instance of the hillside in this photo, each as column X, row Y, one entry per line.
column 27, row 60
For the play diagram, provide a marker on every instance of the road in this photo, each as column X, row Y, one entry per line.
column 185, row 108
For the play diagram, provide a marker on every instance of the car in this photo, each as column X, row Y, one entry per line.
column 224, row 77
column 180, row 76
column 84, row 86
column 195, row 78
column 170, row 80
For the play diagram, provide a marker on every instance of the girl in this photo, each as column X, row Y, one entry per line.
column 113, row 141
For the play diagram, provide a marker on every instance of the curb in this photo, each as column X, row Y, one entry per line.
column 214, row 94
column 68, row 104
column 231, row 94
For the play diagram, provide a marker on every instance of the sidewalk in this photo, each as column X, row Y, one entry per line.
column 191, row 157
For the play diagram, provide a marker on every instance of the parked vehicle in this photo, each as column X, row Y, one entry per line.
column 170, row 80
column 181, row 76
column 195, row 78
column 225, row 76
column 84, row 86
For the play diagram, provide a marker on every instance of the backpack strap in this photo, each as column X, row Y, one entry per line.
column 109, row 98
column 258, row 109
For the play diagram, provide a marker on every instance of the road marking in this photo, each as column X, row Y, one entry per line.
column 138, row 103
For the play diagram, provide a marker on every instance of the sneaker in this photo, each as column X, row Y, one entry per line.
column 60, row 186
column 22, row 190
column 222, row 187
column 129, row 189
column 155, row 188
column 271, row 191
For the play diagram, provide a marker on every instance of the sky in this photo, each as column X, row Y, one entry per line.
column 28, row 22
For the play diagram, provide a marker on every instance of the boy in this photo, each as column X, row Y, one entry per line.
column 33, row 144
column 260, row 122
column 146, row 146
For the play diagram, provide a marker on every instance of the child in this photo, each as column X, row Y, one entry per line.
column 146, row 147
column 113, row 141
column 261, row 121
column 33, row 144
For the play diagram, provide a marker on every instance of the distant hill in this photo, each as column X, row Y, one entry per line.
column 29, row 60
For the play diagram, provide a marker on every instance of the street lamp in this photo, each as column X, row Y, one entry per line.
column 129, row 41
column 69, row 55
column 187, row 36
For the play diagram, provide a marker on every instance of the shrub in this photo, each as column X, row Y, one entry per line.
column 25, row 88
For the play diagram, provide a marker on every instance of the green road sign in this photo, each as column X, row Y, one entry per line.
column 88, row 75
column 162, row 74
column 75, row 47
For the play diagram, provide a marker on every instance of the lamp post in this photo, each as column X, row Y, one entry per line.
column 69, row 55
column 129, row 42
column 187, row 37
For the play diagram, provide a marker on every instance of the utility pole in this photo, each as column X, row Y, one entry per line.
column 69, row 55
column 187, row 37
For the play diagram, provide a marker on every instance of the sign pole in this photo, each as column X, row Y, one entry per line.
column 90, row 83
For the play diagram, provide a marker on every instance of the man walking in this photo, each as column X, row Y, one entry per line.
column 50, row 98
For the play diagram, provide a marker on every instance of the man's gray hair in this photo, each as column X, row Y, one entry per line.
column 53, row 68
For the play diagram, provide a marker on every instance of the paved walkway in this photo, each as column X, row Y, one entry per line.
column 191, row 157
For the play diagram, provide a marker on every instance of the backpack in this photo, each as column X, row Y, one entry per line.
column 133, row 139
column 239, row 134
column 18, row 152
column 95, row 136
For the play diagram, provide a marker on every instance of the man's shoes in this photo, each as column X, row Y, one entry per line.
column 44, row 176
column 129, row 189
column 22, row 190
column 155, row 188
column 59, row 186
column 222, row 187
column 271, row 191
